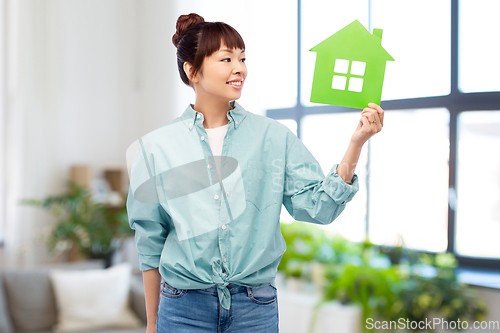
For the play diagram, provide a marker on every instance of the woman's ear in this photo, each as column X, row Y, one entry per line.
column 188, row 69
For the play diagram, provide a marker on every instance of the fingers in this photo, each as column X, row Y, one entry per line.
column 370, row 114
column 374, row 114
column 368, row 125
column 378, row 122
column 366, row 122
column 360, row 124
column 379, row 110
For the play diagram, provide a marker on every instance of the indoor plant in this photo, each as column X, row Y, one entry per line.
column 388, row 283
column 94, row 228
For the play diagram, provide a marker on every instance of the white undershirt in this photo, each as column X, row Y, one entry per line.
column 215, row 140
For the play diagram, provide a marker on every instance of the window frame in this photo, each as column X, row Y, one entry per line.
column 455, row 102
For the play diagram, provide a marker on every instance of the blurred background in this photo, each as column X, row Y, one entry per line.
column 81, row 80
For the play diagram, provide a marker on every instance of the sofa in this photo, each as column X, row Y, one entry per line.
column 28, row 304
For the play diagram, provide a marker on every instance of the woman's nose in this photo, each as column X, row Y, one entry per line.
column 239, row 69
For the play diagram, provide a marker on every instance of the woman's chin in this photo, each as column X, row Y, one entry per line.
column 235, row 96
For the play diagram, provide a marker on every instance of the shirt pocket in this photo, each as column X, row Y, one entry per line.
column 260, row 191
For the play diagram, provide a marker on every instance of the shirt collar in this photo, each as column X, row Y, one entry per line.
column 236, row 116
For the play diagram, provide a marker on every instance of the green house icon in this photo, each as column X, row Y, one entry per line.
column 350, row 67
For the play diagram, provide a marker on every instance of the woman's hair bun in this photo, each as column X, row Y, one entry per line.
column 184, row 22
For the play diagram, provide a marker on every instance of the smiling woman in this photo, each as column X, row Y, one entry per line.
column 196, row 39
column 220, row 78
column 211, row 60
column 210, row 236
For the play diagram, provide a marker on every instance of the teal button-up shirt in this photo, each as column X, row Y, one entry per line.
column 201, row 230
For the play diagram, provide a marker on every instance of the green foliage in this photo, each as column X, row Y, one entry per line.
column 303, row 242
column 375, row 289
column 388, row 283
column 440, row 292
column 92, row 227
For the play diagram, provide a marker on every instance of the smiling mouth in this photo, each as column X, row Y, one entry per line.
column 234, row 83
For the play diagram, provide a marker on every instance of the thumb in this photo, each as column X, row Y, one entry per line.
column 360, row 123
column 364, row 122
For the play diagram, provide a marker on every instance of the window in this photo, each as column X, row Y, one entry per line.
column 409, row 180
column 421, row 50
column 327, row 137
column 478, row 184
column 348, row 75
column 426, row 178
column 475, row 43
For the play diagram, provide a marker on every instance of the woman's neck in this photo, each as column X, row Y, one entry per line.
column 214, row 111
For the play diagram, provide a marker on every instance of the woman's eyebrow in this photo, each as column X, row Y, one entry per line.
column 230, row 51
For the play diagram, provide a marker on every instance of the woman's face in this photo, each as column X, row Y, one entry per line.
column 222, row 74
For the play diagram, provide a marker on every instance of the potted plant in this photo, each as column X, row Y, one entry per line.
column 387, row 283
column 422, row 287
column 432, row 289
column 370, row 281
column 94, row 229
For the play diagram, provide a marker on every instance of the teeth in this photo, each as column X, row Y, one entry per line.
column 235, row 83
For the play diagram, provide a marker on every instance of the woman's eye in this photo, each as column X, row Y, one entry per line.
column 228, row 59
column 243, row 60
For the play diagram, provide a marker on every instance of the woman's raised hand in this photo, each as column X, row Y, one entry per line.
column 370, row 123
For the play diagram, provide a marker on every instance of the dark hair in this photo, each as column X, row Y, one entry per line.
column 196, row 39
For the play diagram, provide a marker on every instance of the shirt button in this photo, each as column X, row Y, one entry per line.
column 225, row 259
column 202, row 138
column 209, row 166
column 216, row 197
column 227, row 194
column 223, row 227
column 198, row 116
column 236, row 122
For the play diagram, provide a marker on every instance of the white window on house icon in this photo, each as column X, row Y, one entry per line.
column 348, row 75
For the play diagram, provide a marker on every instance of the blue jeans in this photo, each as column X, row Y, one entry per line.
column 252, row 310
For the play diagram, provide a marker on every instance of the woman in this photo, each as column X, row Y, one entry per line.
column 206, row 192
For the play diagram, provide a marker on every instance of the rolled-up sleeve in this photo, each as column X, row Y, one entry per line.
column 308, row 195
column 147, row 218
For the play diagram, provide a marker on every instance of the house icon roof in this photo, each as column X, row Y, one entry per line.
column 354, row 41
column 350, row 67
